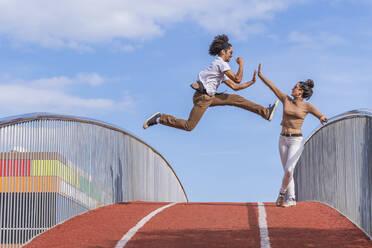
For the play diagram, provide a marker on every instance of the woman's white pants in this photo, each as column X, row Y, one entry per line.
column 290, row 149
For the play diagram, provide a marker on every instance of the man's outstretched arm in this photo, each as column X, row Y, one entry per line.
column 237, row 78
column 237, row 87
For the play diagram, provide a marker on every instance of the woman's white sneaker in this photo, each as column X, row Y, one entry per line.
column 279, row 201
column 290, row 203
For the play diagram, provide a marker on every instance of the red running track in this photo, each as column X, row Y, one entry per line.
column 308, row 224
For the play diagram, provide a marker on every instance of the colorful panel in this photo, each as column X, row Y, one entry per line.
column 54, row 168
column 42, row 174
column 29, row 184
column 11, row 168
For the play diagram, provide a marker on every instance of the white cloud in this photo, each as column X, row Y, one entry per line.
column 118, row 46
column 92, row 79
column 78, row 24
column 352, row 1
column 319, row 40
column 127, row 48
column 51, row 95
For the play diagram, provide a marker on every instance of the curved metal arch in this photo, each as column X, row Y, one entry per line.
column 335, row 167
column 52, row 116
column 347, row 115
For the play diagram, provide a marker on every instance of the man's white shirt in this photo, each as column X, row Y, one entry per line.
column 214, row 75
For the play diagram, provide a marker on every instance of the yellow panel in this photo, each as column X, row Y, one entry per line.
column 45, row 167
column 55, row 168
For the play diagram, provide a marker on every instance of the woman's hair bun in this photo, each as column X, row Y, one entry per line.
column 307, row 88
column 310, row 83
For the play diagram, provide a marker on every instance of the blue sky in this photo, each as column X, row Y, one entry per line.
column 121, row 61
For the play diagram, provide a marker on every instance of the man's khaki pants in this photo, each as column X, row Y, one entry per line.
column 204, row 101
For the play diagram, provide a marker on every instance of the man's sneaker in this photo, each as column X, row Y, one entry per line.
column 151, row 121
column 195, row 85
column 290, row 203
column 272, row 109
column 279, row 201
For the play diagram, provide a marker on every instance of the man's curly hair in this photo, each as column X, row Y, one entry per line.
column 220, row 42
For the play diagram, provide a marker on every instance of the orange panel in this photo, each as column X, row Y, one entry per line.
column 29, row 184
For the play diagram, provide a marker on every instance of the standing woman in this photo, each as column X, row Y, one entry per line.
column 295, row 110
column 206, row 95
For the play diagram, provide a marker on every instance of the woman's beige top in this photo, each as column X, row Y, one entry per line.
column 294, row 113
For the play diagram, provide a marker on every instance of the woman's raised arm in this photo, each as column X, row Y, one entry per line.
column 271, row 85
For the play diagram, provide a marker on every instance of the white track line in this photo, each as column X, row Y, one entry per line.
column 264, row 232
column 124, row 240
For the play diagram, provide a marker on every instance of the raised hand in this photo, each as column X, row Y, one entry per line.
column 259, row 68
column 254, row 77
column 239, row 60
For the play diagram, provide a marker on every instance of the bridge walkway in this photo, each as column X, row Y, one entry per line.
column 309, row 224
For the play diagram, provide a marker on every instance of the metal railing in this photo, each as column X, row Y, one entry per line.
column 335, row 167
column 54, row 167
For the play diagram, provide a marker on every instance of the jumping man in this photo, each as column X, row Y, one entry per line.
column 206, row 86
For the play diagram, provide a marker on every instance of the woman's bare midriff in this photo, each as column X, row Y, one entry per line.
column 290, row 130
